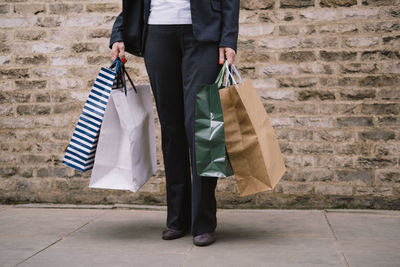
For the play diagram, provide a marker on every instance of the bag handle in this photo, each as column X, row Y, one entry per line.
column 116, row 63
column 229, row 79
column 237, row 73
column 230, row 75
column 220, row 76
column 120, row 74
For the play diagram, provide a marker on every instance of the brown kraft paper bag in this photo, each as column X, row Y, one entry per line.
column 251, row 141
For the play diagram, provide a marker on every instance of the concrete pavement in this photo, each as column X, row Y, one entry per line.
column 130, row 235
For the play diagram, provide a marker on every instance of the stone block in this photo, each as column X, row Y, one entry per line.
column 337, row 3
column 391, row 121
column 337, row 56
column 350, row 68
column 30, row 84
column 375, row 162
column 85, row 47
column 358, row 42
column 276, row 94
column 8, row 171
column 42, row 97
column 391, row 40
column 377, row 2
column 390, row 67
column 332, row 189
column 323, row 15
column 381, row 109
column 31, row 35
column 16, row 123
column 301, row 56
column 334, row 135
column 64, row 8
column 315, row 95
column 98, row 60
column 387, row 177
column 49, row 72
column 317, row 122
column 376, row 135
column 66, row 84
column 288, row 30
column 99, row 33
column 47, row 48
column 103, row 8
column 66, row 108
column 33, row 110
column 5, row 8
column 88, row 21
column 375, row 55
column 257, row 4
column 354, row 121
column 364, row 177
column 296, row 188
column 49, row 22
column 278, row 43
column 29, row 9
column 379, row 81
column 296, row 3
column 387, row 149
column 355, row 95
column 305, row 82
column 256, row 30
column 65, row 61
column 381, row 27
column 31, row 60
column 13, row 22
column 14, row 73
column 375, row 191
column 360, row 13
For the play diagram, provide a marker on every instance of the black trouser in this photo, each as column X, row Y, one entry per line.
column 176, row 64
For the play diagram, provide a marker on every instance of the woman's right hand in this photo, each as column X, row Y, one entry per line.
column 118, row 50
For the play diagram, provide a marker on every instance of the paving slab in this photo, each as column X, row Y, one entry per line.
column 264, row 251
column 24, row 232
column 274, row 223
column 136, row 230
column 274, row 238
column 368, row 239
column 102, row 257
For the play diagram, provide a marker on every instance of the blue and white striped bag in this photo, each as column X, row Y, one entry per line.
column 81, row 150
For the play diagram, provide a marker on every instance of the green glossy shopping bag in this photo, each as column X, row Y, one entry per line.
column 211, row 156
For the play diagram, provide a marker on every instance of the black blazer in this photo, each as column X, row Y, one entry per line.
column 212, row 21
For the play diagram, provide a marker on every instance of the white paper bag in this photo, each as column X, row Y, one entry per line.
column 126, row 151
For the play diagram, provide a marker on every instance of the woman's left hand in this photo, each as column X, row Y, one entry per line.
column 228, row 54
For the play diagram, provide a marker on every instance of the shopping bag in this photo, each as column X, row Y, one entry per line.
column 211, row 155
column 126, row 150
column 81, row 149
column 251, row 141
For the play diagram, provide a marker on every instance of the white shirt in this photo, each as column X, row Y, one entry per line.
column 170, row 12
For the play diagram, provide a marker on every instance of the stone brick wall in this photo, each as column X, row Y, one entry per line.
column 328, row 72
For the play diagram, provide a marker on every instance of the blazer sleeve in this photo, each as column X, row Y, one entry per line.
column 230, row 23
column 116, row 33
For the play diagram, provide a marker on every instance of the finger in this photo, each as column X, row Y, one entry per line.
column 233, row 56
column 114, row 53
column 122, row 51
column 221, row 55
column 229, row 57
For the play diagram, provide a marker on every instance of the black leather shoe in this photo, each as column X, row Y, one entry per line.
column 204, row 239
column 169, row 234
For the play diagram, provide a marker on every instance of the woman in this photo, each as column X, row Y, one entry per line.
column 185, row 43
